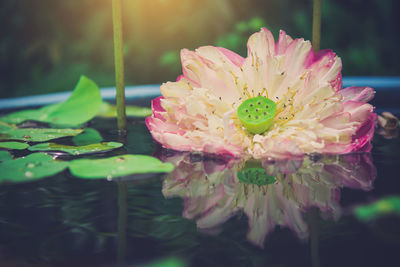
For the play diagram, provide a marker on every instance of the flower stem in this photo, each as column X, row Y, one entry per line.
column 316, row 27
column 119, row 64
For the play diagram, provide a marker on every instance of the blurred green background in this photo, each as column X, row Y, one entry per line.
column 45, row 45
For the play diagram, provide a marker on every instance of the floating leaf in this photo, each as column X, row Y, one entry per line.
column 13, row 145
column 30, row 114
column 76, row 150
column 79, row 108
column 118, row 166
column 36, row 135
column 88, row 137
column 5, row 155
column 4, row 126
column 32, row 167
column 108, row 110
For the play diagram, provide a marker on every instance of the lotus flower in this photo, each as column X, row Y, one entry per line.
column 302, row 106
column 213, row 191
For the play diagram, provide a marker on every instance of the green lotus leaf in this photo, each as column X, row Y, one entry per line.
column 36, row 135
column 76, row 150
column 108, row 110
column 118, row 166
column 5, row 126
column 80, row 107
column 88, row 137
column 30, row 114
column 13, row 145
column 5, row 155
column 30, row 168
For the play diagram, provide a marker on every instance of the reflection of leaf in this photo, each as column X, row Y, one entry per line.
column 384, row 206
column 32, row 167
column 108, row 110
column 88, row 137
column 76, row 150
column 118, row 166
column 4, row 155
column 36, row 135
column 79, row 108
column 13, row 145
column 172, row 262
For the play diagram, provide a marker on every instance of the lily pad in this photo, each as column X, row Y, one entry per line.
column 118, row 166
column 13, row 145
column 80, row 107
column 4, row 155
column 32, row 167
column 108, row 110
column 36, row 135
column 88, row 137
column 5, row 126
column 76, row 150
column 30, row 114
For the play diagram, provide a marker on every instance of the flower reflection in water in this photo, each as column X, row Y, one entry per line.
column 270, row 193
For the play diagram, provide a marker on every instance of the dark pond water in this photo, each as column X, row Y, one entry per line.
column 298, row 213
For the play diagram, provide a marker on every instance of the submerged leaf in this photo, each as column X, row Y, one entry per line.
column 76, row 150
column 5, row 155
column 36, row 135
column 118, row 166
column 79, row 108
column 13, row 145
column 32, row 167
column 88, row 137
column 108, row 110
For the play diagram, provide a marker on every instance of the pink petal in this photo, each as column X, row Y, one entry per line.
column 361, row 140
column 354, row 93
column 232, row 56
column 171, row 136
column 326, row 68
column 296, row 54
column 282, row 43
column 157, row 109
column 203, row 72
column 262, row 43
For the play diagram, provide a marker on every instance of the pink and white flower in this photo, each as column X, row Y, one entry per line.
column 198, row 112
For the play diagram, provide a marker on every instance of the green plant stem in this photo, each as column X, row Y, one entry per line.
column 316, row 28
column 119, row 64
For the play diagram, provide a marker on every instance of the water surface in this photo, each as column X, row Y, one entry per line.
column 299, row 214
